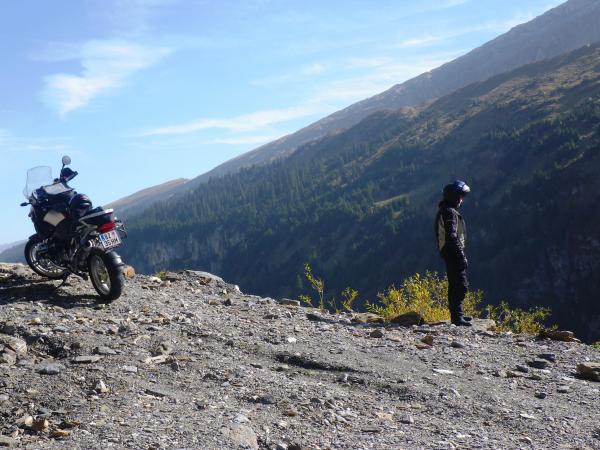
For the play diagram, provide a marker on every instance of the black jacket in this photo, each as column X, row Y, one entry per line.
column 450, row 231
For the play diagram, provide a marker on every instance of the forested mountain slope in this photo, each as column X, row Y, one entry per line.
column 359, row 205
column 567, row 27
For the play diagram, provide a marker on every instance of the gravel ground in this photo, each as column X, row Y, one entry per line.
column 189, row 362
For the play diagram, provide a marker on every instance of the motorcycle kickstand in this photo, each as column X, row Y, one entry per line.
column 64, row 280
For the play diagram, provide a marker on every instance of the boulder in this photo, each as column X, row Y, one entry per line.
column 408, row 319
column 289, row 302
column 128, row 272
column 171, row 276
column 204, row 277
column 367, row 318
column 589, row 370
column 315, row 317
column 558, row 335
column 240, row 435
column 483, row 324
column 19, row 346
column 376, row 333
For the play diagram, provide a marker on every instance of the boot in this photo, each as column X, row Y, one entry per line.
column 461, row 322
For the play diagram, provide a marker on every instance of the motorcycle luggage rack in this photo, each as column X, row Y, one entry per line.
column 89, row 217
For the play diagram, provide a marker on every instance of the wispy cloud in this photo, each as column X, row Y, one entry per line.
column 344, row 91
column 105, row 65
column 243, row 123
column 4, row 138
column 383, row 72
column 496, row 26
column 9, row 143
column 452, row 3
column 420, row 41
column 245, row 140
column 302, row 73
column 132, row 17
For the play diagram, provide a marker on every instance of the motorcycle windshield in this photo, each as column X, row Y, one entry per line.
column 37, row 177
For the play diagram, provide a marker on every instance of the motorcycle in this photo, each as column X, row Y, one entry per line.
column 72, row 237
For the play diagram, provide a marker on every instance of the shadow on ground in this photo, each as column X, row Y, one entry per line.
column 19, row 290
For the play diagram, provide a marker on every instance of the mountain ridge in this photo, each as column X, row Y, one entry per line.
column 343, row 203
column 561, row 29
column 569, row 26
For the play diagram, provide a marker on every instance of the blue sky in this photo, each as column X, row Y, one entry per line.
column 139, row 92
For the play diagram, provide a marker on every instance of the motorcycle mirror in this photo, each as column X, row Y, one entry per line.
column 24, row 203
column 66, row 160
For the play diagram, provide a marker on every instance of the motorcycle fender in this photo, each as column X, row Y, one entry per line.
column 116, row 258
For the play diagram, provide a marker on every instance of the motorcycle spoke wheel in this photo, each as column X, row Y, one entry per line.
column 106, row 274
column 100, row 275
column 40, row 265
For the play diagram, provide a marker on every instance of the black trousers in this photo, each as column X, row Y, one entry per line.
column 458, row 285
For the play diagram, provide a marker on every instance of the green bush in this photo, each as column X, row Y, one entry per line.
column 518, row 320
column 349, row 295
column 426, row 295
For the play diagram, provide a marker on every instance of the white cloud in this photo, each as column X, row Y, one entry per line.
column 366, row 63
column 419, row 41
column 4, row 137
column 106, row 65
column 245, row 140
column 344, row 91
column 302, row 73
column 9, row 143
column 132, row 17
column 383, row 73
column 452, row 3
column 496, row 26
column 246, row 122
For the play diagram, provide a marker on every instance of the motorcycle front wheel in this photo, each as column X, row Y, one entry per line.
column 40, row 264
column 106, row 275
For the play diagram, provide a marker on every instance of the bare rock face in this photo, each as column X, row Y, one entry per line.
column 175, row 365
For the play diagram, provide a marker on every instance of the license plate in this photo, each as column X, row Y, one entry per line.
column 110, row 239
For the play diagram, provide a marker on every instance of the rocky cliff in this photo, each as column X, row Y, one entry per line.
column 188, row 361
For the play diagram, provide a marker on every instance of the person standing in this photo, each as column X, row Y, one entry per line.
column 451, row 236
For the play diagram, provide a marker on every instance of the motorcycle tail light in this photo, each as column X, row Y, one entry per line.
column 106, row 227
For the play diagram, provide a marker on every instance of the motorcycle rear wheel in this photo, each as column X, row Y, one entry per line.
column 42, row 266
column 106, row 275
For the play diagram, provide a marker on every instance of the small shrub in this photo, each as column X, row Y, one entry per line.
column 349, row 295
column 596, row 345
column 518, row 320
column 426, row 295
column 305, row 299
column 317, row 284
